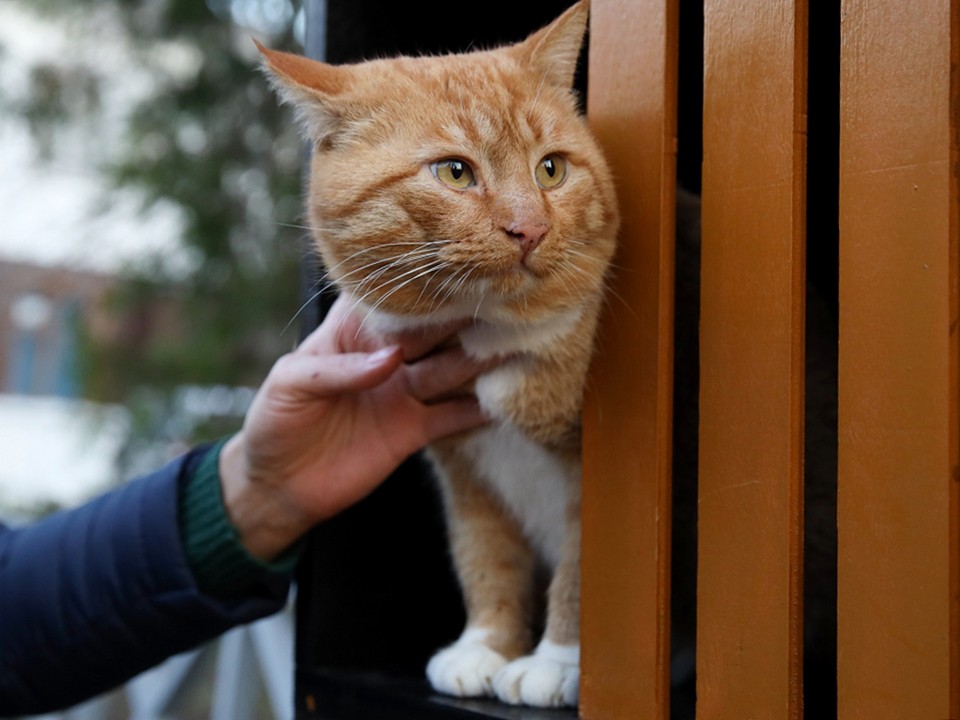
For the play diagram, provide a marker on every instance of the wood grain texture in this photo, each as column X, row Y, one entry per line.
column 749, row 635
column 627, row 415
column 898, row 393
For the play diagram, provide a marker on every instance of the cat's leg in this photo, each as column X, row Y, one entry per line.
column 496, row 568
column 550, row 676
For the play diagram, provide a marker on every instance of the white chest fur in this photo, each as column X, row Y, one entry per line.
column 488, row 339
column 531, row 480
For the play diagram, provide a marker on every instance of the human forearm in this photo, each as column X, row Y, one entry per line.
column 92, row 596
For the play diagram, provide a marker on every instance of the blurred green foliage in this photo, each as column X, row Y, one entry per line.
column 215, row 144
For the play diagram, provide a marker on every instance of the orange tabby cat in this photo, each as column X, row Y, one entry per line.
column 467, row 186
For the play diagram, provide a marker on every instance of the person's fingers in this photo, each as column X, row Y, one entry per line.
column 327, row 375
column 451, row 417
column 442, row 373
column 355, row 335
column 337, row 323
column 346, row 329
column 419, row 342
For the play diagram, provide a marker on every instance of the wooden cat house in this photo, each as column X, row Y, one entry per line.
column 824, row 140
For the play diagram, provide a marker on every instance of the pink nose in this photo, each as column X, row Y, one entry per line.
column 527, row 234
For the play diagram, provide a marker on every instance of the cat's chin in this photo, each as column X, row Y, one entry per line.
column 495, row 331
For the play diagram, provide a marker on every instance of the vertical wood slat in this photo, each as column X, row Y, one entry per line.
column 899, row 443
column 627, row 416
column 749, row 636
column 954, row 370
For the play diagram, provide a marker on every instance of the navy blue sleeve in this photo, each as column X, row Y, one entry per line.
column 93, row 596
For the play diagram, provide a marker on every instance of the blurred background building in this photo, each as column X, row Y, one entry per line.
column 58, row 448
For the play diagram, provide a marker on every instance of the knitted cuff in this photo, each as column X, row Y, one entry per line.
column 221, row 564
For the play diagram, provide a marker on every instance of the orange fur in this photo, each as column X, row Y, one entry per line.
column 414, row 250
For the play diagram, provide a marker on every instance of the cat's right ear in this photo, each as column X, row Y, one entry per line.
column 315, row 90
column 554, row 49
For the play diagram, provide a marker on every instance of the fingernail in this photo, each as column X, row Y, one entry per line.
column 382, row 355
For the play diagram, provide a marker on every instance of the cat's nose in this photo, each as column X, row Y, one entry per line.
column 527, row 234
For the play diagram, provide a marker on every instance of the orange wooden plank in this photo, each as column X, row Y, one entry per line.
column 954, row 371
column 627, row 417
column 749, row 638
column 898, row 395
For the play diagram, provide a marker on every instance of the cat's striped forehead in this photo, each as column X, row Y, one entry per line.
column 508, row 96
column 478, row 124
column 485, row 101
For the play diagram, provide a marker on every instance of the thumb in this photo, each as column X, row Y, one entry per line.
column 326, row 375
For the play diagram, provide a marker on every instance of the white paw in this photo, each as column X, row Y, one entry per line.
column 548, row 678
column 466, row 668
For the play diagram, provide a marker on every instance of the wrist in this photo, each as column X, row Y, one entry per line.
column 266, row 519
column 221, row 565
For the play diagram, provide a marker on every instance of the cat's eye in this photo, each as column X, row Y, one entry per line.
column 454, row 173
column 551, row 171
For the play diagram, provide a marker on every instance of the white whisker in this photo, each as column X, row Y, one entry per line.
column 391, row 263
column 476, row 312
column 374, row 248
column 450, row 288
column 429, row 269
column 574, row 271
column 416, row 271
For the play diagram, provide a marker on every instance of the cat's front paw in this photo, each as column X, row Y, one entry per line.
column 548, row 678
column 466, row 668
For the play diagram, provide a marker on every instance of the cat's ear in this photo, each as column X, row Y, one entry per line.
column 554, row 49
column 316, row 90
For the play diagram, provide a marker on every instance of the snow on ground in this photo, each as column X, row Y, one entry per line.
column 54, row 450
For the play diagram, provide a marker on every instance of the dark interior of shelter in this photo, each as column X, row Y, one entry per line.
column 376, row 592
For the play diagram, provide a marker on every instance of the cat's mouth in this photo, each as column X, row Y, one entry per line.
column 502, row 275
column 522, row 265
column 534, row 266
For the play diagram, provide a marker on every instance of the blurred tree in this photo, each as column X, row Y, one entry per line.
column 209, row 138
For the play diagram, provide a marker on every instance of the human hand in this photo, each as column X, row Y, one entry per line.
column 333, row 419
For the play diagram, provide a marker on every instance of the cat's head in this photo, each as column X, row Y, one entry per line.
column 461, row 185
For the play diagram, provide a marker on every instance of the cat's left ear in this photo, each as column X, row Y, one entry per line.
column 316, row 90
column 554, row 49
